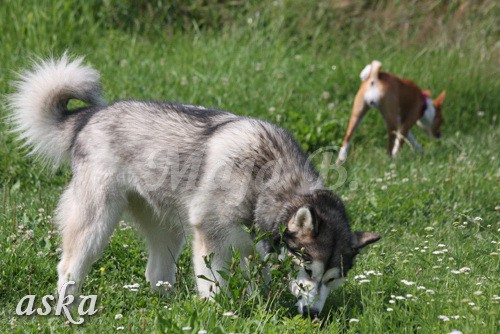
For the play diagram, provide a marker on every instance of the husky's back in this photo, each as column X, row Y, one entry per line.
column 161, row 151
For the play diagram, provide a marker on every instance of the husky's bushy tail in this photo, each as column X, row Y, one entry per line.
column 39, row 103
column 371, row 71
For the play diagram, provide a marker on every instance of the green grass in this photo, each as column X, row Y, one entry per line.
column 277, row 68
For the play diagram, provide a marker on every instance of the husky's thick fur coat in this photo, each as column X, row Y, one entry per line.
column 180, row 168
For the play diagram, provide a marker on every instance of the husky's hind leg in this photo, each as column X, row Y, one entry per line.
column 87, row 215
column 165, row 238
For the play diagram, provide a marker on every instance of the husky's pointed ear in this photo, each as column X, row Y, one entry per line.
column 303, row 222
column 362, row 239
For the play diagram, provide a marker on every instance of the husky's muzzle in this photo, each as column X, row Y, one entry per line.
column 311, row 292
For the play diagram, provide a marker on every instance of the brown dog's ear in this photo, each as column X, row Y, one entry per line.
column 362, row 239
column 303, row 222
column 438, row 101
column 427, row 93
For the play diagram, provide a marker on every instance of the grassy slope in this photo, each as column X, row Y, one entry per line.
column 248, row 68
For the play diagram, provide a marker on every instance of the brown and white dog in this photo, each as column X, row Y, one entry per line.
column 402, row 104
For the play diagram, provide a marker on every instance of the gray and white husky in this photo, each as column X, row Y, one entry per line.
column 179, row 168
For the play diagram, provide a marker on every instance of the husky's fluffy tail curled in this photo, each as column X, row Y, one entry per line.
column 371, row 71
column 39, row 103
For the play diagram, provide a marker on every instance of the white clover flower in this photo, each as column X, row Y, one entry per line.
column 400, row 298
column 364, row 281
column 384, row 187
column 120, row 328
column 202, row 331
column 454, row 331
column 373, row 272
column 13, row 322
column 390, row 309
column 405, row 282
column 29, row 234
column 392, row 301
column 478, row 293
column 443, row 317
column 421, row 287
column 430, row 292
column 118, row 316
column 165, row 284
column 228, row 314
column 429, row 229
column 441, row 245
column 187, row 328
column 132, row 287
column 478, row 219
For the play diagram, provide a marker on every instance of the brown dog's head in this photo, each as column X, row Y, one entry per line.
column 432, row 117
column 435, row 130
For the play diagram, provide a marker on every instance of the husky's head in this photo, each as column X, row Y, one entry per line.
column 319, row 237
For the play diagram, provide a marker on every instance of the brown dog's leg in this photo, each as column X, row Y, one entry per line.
column 404, row 132
column 358, row 112
column 391, row 139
